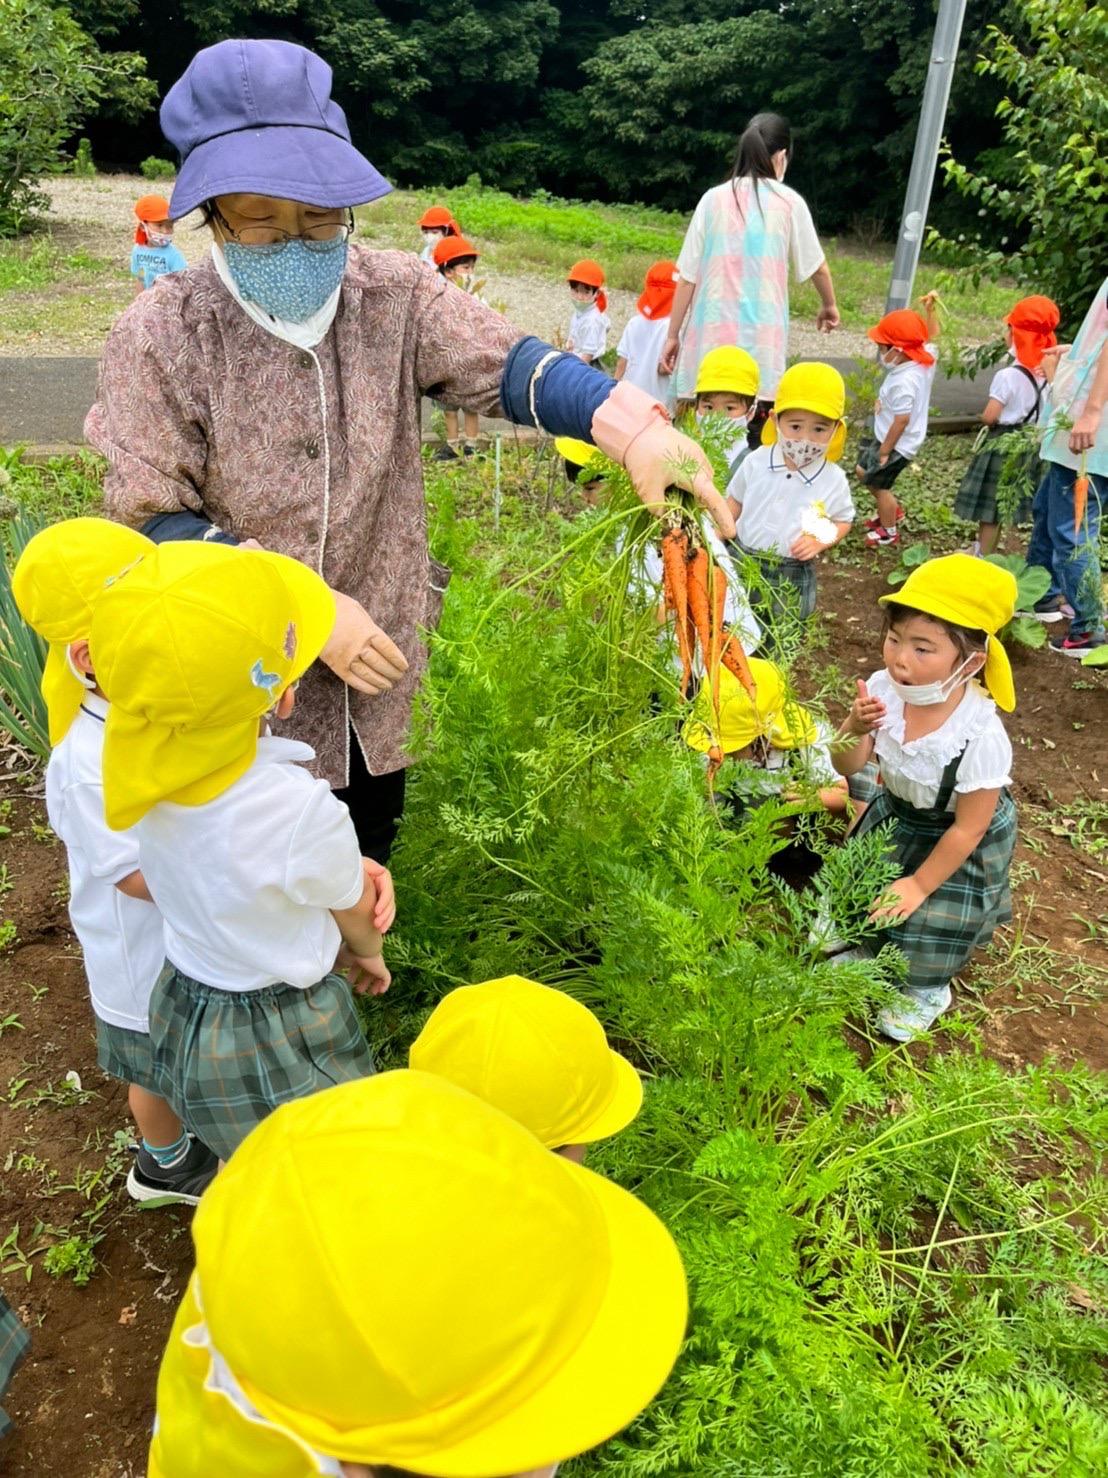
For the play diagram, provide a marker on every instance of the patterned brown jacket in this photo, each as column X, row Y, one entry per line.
column 315, row 454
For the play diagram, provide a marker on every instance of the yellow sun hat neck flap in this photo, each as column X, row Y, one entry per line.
column 727, row 368
column 57, row 582
column 536, row 1054
column 773, row 715
column 580, row 453
column 972, row 593
column 394, row 1272
column 816, row 387
column 192, row 647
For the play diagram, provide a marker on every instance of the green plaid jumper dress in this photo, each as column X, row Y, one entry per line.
column 976, row 499
column 961, row 915
column 14, row 1344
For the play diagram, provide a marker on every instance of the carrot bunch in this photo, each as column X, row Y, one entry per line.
column 1080, row 496
column 695, row 591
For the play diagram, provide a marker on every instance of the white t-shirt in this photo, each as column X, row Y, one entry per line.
column 774, row 500
column 588, row 331
column 246, row 882
column 1016, row 394
column 913, row 772
column 641, row 345
column 647, row 578
column 906, row 391
column 805, row 253
column 121, row 937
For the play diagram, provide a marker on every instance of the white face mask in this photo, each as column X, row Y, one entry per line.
column 431, row 237
column 923, row 695
column 802, row 453
column 157, row 238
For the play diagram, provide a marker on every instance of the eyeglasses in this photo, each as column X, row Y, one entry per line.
column 272, row 240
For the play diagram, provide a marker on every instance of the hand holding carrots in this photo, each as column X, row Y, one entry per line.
column 660, row 457
column 867, row 714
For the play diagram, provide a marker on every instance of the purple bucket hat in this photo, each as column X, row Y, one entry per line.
column 257, row 117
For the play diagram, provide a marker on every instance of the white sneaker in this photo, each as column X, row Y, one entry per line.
column 914, row 1014
column 823, row 934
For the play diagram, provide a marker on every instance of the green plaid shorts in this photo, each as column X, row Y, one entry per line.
column 961, row 915
column 226, row 1059
column 125, row 1055
column 15, row 1341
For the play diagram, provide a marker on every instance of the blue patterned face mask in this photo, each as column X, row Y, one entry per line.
column 292, row 283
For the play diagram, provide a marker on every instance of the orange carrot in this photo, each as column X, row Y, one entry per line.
column 698, row 601
column 734, row 659
column 675, row 586
column 1080, row 497
column 719, row 607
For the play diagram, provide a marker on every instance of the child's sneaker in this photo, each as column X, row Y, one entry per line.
column 914, row 1013
column 882, row 538
column 1050, row 609
column 1077, row 646
column 448, row 452
column 875, row 522
column 158, row 1185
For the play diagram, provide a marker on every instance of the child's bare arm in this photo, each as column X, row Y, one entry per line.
column 620, row 369
column 991, row 414
column 972, row 814
column 134, row 886
column 363, row 941
column 853, row 746
column 930, row 317
column 892, row 436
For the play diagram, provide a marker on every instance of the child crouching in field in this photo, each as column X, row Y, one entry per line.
column 945, row 767
column 537, row 1055
column 906, row 346
column 57, row 582
column 253, row 863
column 642, row 341
column 588, row 324
column 455, row 258
column 790, row 498
column 1015, row 396
column 395, row 1279
column 770, row 745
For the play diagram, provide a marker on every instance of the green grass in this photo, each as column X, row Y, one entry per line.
column 29, row 265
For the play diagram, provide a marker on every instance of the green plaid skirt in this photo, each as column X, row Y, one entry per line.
column 226, row 1059
column 15, row 1341
column 874, row 475
column 125, row 1055
column 976, row 499
column 960, row 916
column 783, row 593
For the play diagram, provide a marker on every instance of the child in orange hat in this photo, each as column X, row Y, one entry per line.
column 435, row 224
column 455, row 257
column 1015, row 396
column 642, row 341
column 906, row 346
column 588, row 327
column 153, row 254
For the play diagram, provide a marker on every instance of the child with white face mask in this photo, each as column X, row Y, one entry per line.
column 727, row 387
column 945, row 767
column 153, row 254
column 435, row 224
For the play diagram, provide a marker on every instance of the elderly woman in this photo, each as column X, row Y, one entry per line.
column 272, row 395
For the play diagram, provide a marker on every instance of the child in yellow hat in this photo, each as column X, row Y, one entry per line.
column 776, row 746
column 791, row 499
column 395, row 1277
column 945, row 767
column 253, row 863
column 727, row 388
column 535, row 1053
column 57, row 581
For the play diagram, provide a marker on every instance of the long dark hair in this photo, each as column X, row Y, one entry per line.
column 763, row 137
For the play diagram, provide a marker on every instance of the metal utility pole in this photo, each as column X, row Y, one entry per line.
column 925, row 156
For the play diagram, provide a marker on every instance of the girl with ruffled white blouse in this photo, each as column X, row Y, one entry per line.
column 944, row 762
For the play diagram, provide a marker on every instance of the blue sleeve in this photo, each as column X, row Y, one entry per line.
column 567, row 394
column 168, row 528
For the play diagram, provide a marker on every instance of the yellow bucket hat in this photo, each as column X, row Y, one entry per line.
column 393, row 1272
column 772, row 716
column 811, row 386
column 727, row 368
column 536, row 1054
column 56, row 583
column 967, row 592
column 192, row 647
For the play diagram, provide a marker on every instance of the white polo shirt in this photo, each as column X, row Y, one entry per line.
column 1015, row 388
column 906, row 391
column 121, row 937
column 774, row 500
column 247, row 881
column 588, row 331
column 641, row 344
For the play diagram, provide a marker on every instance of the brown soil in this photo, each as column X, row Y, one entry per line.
column 83, row 1401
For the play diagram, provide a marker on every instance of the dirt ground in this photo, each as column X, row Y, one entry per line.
column 83, row 1401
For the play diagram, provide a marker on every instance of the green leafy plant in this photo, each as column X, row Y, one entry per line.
column 22, row 652
column 153, row 168
column 74, row 1258
column 83, row 163
column 911, row 557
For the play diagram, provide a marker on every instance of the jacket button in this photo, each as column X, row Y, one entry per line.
column 305, row 360
column 312, row 449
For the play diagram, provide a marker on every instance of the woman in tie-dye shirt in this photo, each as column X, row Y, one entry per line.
column 734, row 265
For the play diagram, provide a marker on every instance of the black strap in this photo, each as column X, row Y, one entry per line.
column 949, row 779
column 1037, row 386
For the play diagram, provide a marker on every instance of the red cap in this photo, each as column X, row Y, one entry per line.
column 438, row 218
column 452, row 249
column 152, row 208
column 592, row 275
column 656, row 299
column 1033, row 321
column 905, row 330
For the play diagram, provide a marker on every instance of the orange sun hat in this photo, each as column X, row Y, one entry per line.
column 452, row 249
column 592, row 275
column 438, row 218
column 656, row 298
column 1033, row 321
column 905, row 330
column 149, row 208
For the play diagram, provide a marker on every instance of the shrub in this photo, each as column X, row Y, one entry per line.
column 154, row 168
column 83, row 163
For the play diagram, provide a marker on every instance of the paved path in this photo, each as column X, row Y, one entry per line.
column 43, row 401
